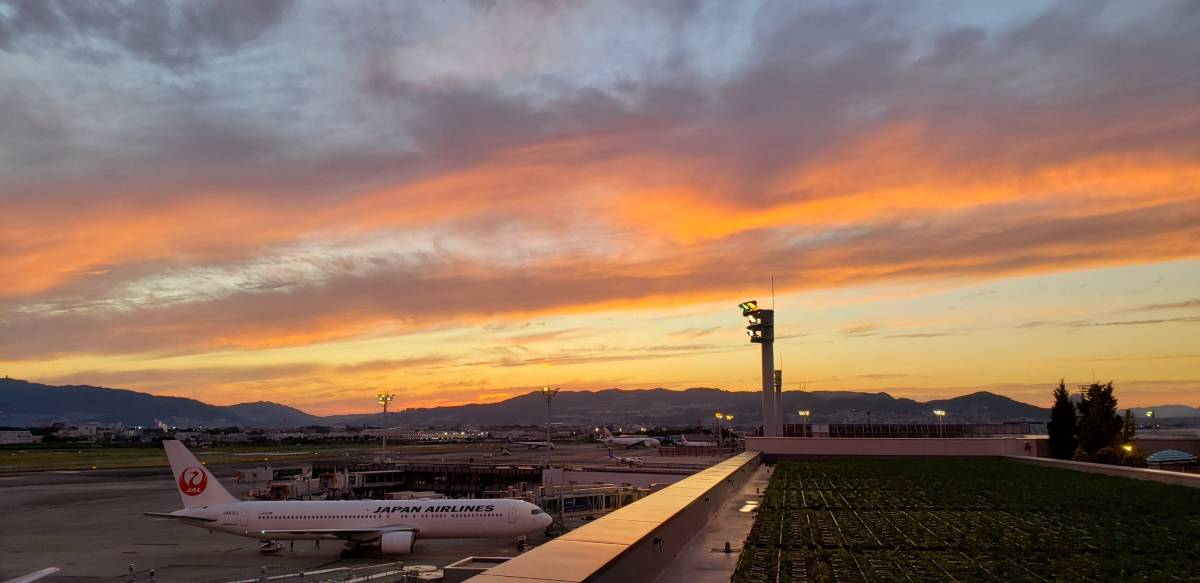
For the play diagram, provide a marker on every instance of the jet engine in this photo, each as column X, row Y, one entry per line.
column 397, row 543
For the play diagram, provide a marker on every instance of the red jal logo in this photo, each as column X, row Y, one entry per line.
column 193, row 481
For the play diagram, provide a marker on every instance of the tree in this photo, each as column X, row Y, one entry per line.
column 1099, row 424
column 1129, row 428
column 1062, row 427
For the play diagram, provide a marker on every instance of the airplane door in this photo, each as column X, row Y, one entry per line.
column 512, row 515
column 244, row 519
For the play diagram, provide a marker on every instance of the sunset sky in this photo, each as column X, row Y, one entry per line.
column 309, row 203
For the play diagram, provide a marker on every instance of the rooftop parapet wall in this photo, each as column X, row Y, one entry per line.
column 785, row 447
column 636, row 542
column 1151, row 475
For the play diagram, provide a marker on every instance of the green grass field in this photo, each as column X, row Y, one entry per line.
column 85, row 457
column 968, row 520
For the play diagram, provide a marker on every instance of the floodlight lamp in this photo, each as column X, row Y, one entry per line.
column 805, row 412
column 1149, row 413
column 939, row 412
column 748, row 307
column 728, row 417
column 1127, row 447
column 719, row 415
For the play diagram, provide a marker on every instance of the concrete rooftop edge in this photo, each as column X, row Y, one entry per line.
column 1148, row 474
column 636, row 542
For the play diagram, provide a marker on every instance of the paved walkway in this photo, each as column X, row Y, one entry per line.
column 703, row 561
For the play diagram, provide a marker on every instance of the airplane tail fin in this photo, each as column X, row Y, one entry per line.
column 197, row 486
column 605, row 433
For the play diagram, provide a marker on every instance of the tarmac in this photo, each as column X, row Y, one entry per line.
column 90, row 525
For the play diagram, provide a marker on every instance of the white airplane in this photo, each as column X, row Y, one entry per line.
column 608, row 438
column 683, row 440
column 530, row 444
column 391, row 526
column 631, row 461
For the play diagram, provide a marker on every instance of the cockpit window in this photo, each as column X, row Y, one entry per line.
column 536, row 511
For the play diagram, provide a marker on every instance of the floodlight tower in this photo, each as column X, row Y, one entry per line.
column 762, row 331
column 383, row 399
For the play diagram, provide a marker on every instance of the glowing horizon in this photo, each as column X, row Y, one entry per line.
column 310, row 203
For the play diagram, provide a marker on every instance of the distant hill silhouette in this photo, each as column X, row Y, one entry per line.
column 23, row 403
column 268, row 414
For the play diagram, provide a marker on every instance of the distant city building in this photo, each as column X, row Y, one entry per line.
column 17, row 437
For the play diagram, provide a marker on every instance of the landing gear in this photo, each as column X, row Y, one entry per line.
column 269, row 547
column 351, row 551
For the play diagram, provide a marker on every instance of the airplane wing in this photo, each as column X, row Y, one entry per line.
column 34, row 576
column 178, row 516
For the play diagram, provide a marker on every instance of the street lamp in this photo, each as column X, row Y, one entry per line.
column 383, row 399
column 804, row 415
column 941, row 415
column 729, row 427
column 720, row 436
column 548, row 394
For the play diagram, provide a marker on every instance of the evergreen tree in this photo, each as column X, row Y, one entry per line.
column 1099, row 424
column 1062, row 424
column 1129, row 429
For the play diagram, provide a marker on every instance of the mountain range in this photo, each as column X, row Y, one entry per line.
column 24, row 404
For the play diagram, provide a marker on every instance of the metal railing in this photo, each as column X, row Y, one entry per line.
column 393, row 572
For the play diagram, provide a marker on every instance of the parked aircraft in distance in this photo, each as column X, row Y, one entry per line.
column 530, row 444
column 683, row 440
column 630, row 461
column 390, row 526
column 608, row 438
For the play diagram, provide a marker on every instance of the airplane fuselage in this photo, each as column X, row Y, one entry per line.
column 632, row 441
column 263, row 520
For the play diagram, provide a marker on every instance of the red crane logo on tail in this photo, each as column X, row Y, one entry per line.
column 193, row 481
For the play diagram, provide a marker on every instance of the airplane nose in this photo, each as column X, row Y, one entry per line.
column 544, row 521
